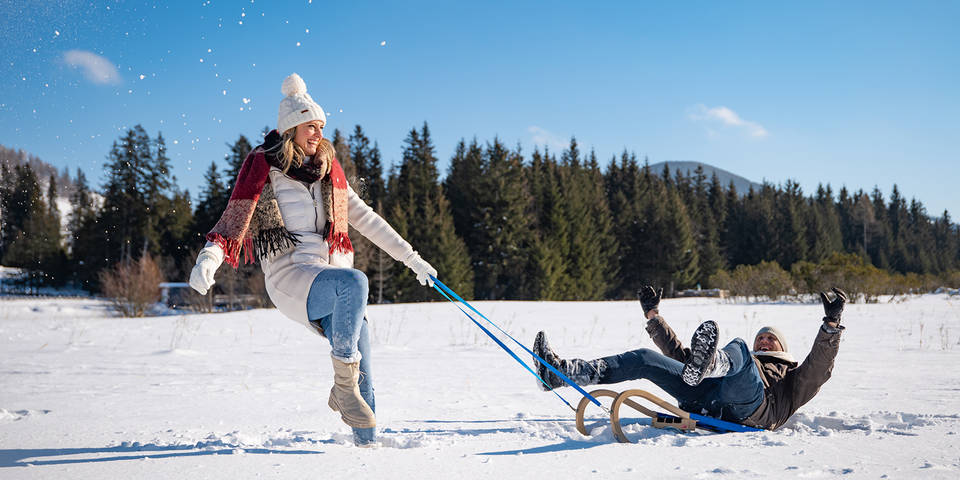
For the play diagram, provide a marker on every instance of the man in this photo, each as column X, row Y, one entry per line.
column 759, row 388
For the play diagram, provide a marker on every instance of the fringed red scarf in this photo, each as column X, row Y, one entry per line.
column 252, row 223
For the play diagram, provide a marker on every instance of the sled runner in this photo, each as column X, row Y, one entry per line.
column 676, row 419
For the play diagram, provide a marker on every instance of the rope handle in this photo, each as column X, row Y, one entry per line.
column 444, row 290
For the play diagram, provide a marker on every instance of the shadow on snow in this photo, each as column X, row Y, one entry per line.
column 19, row 457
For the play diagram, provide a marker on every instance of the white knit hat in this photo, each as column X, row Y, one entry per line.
column 297, row 107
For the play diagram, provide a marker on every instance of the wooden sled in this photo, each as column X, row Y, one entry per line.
column 677, row 419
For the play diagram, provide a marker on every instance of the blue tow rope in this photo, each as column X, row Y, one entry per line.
column 445, row 290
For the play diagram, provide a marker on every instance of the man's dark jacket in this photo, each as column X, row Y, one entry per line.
column 787, row 386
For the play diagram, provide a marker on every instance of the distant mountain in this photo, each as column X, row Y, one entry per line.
column 742, row 184
column 65, row 184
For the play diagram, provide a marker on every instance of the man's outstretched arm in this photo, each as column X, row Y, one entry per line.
column 817, row 368
column 661, row 333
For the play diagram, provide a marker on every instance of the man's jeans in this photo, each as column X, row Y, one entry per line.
column 337, row 300
column 733, row 397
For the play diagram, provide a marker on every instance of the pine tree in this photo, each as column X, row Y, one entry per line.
column 36, row 245
column 445, row 250
column 177, row 235
column 369, row 183
column 705, row 227
column 238, row 153
column 576, row 247
column 897, row 222
column 342, row 149
column 418, row 168
column 462, row 188
column 420, row 214
column 158, row 183
column 669, row 249
column 732, row 225
column 369, row 186
column 138, row 196
column 718, row 201
column 399, row 218
column 604, row 240
column 879, row 246
column 919, row 241
column 753, row 234
column 212, row 202
column 789, row 226
column 946, row 244
column 124, row 217
column 824, row 234
column 845, row 217
column 499, row 237
column 680, row 260
column 379, row 269
column 82, row 208
column 86, row 235
column 52, row 208
column 623, row 191
column 864, row 215
column 55, row 266
column 590, row 240
column 6, row 192
column 548, row 268
column 643, row 233
column 20, row 199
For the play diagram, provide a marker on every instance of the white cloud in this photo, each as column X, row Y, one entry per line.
column 545, row 138
column 97, row 69
column 727, row 117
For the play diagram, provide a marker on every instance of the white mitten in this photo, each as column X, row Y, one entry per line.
column 420, row 266
column 201, row 277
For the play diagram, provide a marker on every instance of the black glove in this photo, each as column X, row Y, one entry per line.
column 832, row 310
column 649, row 298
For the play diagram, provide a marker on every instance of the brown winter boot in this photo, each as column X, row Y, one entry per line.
column 345, row 396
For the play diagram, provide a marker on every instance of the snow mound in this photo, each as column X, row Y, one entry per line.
column 16, row 415
column 897, row 423
column 237, row 441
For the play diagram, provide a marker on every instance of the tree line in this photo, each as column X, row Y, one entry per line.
column 501, row 224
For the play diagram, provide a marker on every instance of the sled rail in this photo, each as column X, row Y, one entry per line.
column 676, row 418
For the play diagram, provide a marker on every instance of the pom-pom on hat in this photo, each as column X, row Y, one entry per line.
column 297, row 107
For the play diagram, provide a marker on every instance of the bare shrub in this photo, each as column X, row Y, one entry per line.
column 199, row 303
column 951, row 279
column 132, row 286
column 862, row 281
column 764, row 280
column 858, row 278
column 256, row 285
column 241, row 288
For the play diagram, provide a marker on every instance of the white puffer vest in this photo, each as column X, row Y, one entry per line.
column 290, row 275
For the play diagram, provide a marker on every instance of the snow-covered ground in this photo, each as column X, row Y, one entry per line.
column 84, row 394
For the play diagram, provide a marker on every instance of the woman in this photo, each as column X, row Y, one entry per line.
column 290, row 209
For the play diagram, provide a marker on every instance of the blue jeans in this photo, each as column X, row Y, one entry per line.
column 336, row 302
column 733, row 397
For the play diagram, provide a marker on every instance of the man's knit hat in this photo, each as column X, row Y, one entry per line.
column 775, row 333
column 297, row 107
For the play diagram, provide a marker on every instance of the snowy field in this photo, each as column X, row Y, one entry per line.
column 84, row 394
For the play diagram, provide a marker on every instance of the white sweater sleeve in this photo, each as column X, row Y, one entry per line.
column 213, row 251
column 375, row 228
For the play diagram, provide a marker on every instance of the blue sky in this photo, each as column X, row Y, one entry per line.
column 860, row 94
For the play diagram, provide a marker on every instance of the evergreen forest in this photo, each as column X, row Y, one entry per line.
column 500, row 224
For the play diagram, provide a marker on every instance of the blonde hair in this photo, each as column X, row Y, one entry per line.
column 291, row 155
